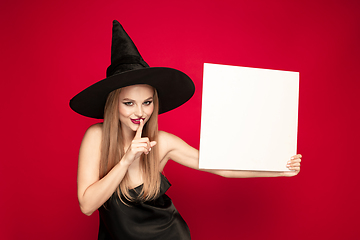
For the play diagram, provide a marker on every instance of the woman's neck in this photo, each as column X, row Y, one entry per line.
column 128, row 135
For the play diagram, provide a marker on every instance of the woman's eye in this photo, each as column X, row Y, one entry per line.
column 128, row 103
column 147, row 102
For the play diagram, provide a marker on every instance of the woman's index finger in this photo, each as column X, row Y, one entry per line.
column 139, row 130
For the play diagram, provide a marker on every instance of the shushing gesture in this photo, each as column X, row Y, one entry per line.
column 138, row 145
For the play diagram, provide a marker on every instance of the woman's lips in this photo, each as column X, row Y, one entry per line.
column 137, row 120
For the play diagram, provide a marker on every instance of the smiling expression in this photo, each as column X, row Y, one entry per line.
column 135, row 103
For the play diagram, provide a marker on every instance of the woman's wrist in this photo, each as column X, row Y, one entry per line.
column 124, row 163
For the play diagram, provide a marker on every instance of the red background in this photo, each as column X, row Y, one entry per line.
column 50, row 50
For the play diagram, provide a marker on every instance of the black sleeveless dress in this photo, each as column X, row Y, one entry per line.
column 152, row 220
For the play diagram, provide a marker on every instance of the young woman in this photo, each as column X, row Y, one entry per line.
column 121, row 159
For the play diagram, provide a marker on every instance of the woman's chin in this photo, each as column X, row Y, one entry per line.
column 135, row 127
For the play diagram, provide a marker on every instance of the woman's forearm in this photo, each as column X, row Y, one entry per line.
column 293, row 165
column 99, row 192
column 247, row 174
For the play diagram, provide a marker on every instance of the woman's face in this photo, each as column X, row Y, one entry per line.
column 135, row 103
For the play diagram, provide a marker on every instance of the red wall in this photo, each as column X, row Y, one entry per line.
column 50, row 50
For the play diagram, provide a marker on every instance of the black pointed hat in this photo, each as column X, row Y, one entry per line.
column 128, row 68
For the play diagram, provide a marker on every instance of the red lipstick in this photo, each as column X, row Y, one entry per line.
column 137, row 120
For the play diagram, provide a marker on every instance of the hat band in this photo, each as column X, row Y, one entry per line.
column 127, row 59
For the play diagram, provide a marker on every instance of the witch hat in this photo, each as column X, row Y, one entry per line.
column 127, row 68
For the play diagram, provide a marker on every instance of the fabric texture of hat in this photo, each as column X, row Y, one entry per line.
column 128, row 68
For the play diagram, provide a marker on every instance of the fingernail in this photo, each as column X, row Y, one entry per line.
column 149, row 149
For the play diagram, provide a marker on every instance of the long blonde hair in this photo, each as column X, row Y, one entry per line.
column 112, row 149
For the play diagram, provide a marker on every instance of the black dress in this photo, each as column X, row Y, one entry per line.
column 157, row 219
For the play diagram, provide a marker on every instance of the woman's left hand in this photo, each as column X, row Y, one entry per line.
column 294, row 165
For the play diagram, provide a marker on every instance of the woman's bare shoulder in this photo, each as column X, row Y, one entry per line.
column 91, row 142
column 94, row 132
column 166, row 136
column 168, row 141
column 164, row 146
column 173, row 147
column 96, row 128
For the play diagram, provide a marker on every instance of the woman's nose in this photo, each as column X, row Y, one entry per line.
column 139, row 111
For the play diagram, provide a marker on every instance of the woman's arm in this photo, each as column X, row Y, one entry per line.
column 93, row 191
column 180, row 152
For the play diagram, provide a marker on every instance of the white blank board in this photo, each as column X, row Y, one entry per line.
column 249, row 118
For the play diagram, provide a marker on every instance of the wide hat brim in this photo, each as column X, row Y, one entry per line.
column 174, row 88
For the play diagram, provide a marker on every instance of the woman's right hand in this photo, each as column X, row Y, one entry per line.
column 138, row 146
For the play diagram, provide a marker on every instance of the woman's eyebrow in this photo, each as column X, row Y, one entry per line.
column 128, row 99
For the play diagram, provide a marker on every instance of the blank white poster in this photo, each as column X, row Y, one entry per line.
column 249, row 118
